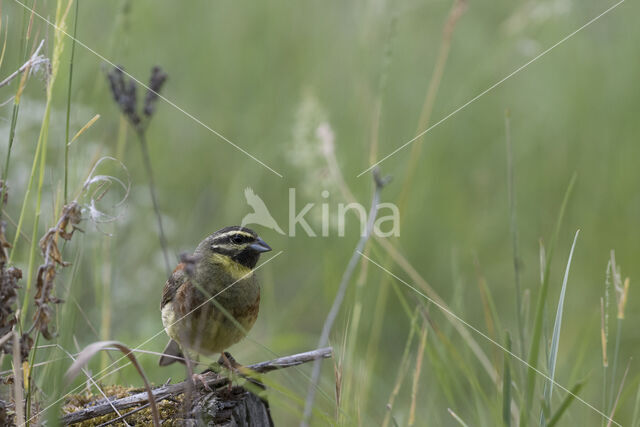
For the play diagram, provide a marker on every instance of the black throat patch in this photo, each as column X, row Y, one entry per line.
column 248, row 258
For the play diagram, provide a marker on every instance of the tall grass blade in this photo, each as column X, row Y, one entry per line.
column 492, row 318
column 537, row 326
column 569, row 398
column 511, row 189
column 66, row 132
column 555, row 338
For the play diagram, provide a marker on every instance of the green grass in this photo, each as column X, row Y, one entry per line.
column 265, row 76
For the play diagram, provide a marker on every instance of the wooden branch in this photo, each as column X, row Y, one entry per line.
column 210, row 379
column 294, row 360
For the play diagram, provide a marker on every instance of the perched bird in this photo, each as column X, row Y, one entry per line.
column 221, row 267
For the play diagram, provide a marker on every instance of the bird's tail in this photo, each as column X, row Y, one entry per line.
column 171, row 353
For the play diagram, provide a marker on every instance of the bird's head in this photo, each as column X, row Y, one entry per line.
column 239, row 244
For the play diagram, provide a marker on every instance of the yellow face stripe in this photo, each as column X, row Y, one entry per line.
column 234, row 269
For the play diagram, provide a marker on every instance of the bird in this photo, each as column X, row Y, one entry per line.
column 260, row 214
column 212, row 298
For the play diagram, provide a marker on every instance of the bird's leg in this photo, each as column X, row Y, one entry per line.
column 195, row 378
column 227, row 360
column 230, row 363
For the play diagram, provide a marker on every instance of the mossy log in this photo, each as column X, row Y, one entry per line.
column 212, row 401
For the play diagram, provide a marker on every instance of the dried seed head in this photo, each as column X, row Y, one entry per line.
column 156, row 81
column 125, row 95
column 8, row 291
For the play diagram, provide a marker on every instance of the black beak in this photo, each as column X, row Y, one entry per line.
column 260, row 246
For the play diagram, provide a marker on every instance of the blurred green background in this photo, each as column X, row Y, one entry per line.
column 265, row 75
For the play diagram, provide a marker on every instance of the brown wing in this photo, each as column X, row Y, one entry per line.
column 178, row 277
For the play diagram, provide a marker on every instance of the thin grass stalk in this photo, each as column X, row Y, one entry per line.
column 457, row 418
column 66, row 131
column 506, row 383
column 373, row 341
column 40, row 159
column 616, row 349
column 121, row 140
column 492, row 318
column 382, row 85
column 604, row 309
column 555, row 338
column 342, row 288
column 350, row 377
column 615, row 403
column 620, row 299
column 4, row 42
column 403, row 368
column 12, row 134
column 455, row 13
column 534, row 351
column 152, row 190
column 16, row 107
column 24, row 33
column 615, row 279
column 416, row 373
column 402, row 299
column 17, row 381
column 14, row 120
column 338, row 370
column 605, row 362
column 513, row 216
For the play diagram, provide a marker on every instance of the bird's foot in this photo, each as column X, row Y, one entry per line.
column 200, row 379
column 227, row 360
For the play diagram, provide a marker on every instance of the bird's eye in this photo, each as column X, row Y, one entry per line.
column 237, row 239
